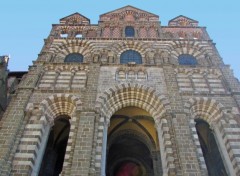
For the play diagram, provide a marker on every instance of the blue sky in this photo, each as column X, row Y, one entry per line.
column 25, row 23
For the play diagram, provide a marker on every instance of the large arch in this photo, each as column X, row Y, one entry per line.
column 60, row 104
column 140, row 47
column 208, row 114
column 194, row 48
column 63, row 48
column 41, row 118
column 140, row 96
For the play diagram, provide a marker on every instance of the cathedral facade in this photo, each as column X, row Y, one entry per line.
column 126, row 96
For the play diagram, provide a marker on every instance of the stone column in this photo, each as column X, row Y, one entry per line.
column 222, row 148
column 83, row 146
column 162, row 151
column 104, row 149
column 186, row 147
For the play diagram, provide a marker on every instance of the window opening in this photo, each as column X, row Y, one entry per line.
column 129, row 31
column 130, row 56
column 186, row 59
column 74, row 57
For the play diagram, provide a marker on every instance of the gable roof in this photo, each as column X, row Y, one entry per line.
column 177, row 21
column 128, row 7
column 74, row 15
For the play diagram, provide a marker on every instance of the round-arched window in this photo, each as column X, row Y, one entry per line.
column 186, row 59
column 129, row 31
column 130, row 56
column 74, row 57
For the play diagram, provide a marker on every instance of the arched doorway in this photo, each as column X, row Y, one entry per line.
column 52, row 162
column 132, row 146
column 210, row 149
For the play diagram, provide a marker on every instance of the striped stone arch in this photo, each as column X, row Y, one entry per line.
column 128, row 94
column 207, row 109
column 194, row 48
column 60, row 104
column 64, row 47
column 140, row 47
column 40, row 120
column 64, row 104
column 213, row 113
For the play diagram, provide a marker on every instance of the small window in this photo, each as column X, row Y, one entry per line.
column 79, row 36
column 130, row 56
column 74, row 57
column 186, row 59
column 129, row 31
column 64, row 35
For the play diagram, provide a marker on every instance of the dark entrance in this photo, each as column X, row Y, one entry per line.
column 210, row 149
column 132, row 147
column 53, row 158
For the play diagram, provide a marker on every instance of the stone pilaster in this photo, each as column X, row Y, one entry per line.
column 83, row 146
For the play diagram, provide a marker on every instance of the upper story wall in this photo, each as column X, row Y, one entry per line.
column 129, row 28
column 116, row 23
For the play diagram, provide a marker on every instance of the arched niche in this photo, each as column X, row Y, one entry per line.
column 53, row 159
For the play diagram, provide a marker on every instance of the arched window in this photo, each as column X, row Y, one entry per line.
column 53, row 159
column 186, row 59
column 130, row 56
column 129, row 31
column 210, row 149
column 74, row 57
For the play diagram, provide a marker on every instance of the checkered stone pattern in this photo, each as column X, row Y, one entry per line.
column 142, row 32
column 106, row 32
column 116, row 33
column 152, row 32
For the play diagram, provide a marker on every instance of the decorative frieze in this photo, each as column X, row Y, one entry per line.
column 131, row 73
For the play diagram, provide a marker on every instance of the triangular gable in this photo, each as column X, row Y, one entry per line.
column 75, row 18
column 183, row 21
column 121, row 12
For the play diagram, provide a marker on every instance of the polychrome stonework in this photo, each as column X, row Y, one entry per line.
column 165, row 107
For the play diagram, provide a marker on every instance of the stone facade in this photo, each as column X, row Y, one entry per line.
column 156, row 104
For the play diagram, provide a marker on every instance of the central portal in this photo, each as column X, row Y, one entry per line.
column 132, row 147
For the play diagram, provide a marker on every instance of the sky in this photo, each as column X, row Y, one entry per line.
column 25, row 24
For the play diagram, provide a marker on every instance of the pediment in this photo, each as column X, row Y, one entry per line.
column 75, row 18
column 183, row 21
column 129, row 13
